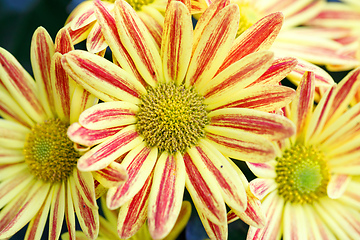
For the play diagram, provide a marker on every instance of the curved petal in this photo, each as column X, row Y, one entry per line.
column 154, row 22
column 111, row 176
column 69, row 210
column 337, row 185
column 82, row 15
column 261, row 187
column 103, row 154
column 181, row 221
column 110, row 114
column 176, row 42
column 139, row 164
column 214, row 230
column 85, row 185
column 81, row 100
column 57, row 210
column 263, row 170
column 242, row 145
column 63, row 43
column 95, row 41
column 166, row 194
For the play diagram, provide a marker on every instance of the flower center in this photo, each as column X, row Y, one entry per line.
column 137, row 4
column 48, row 151
column 172, row 117
column 248, row 15
column 302, row 174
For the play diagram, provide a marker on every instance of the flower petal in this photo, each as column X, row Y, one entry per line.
column 166, row 194
column 96, row 41
column 176, row 42
column 57, row 210
column 214, row 231
column 337, row 185
column 85, row 185
column 63, row 43
column 100, row 75
column 103, row 154
column 69, row 210
column 205, row 195
column 261, row 187
column 213, row 45
column 82, row 15
column 154, row 22
column 110, row 114
column 258, row 37
column 294, row 222
column 271, row 126
column 111, row 176
column 139, row 43
column 81, row 100
column 263, row 170
column 139, row 163
column 132, row 215
column 181, row 221
column 242, row 145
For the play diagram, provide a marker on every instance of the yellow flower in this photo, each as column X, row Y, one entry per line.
column 204, row 95
column 311, row 190
column 108, row 226
column 38, row 173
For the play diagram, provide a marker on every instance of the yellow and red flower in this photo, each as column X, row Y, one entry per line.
column 182, row 110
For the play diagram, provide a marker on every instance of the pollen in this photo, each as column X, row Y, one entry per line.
column 302, row 174
column 172, row 117
column 48, row 151
column 137, row 4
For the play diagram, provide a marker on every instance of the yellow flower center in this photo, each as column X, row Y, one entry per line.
column 48, row 151
column 172, row 117
column 137, row 4
column 302, row 174
column 248, row 15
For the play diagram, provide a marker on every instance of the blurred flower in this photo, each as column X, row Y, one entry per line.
column 108, row 226
column 203, row 95
column 38, row 173
column 311, row 190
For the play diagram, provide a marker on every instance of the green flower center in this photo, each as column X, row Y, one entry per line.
column 172, row 117
column 48, row 151
column 302, row 174
column 248, row 15
column 137, row 4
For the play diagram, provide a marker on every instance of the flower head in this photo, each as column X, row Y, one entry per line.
column 38, row 173
column 309, row 189
column 181, row 110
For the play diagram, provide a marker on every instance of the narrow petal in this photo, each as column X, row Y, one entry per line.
column 181, row 221
column 154, row 22
column 82, row 15
column 85, row 185
column 63, row 43
column 263, row 170
column 69, row 210
column 259, row 36
column 12, row 170
column 132, row 215
column 20, row 85
column 95, row 41
column 139, row 164
column 261, row 187
column 294, row 222
column 88, row 137
column 57, row 210
column 42, row 50
column 271, row 126
column 139, row 43
column 237, row 76
column 242, row 145
column 337, row 185
column 110, row 114
column 81, row 100
column 214, row 231
column 103, row 154
column 267, row 98
column 213, row 45
column 166, row 194
column 206, row 196
column 176, row 42
column 102, row 75
column 111, row 176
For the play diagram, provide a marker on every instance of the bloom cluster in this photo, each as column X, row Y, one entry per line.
column 160, row 111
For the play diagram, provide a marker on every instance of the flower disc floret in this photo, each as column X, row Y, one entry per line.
column 302, row 174
column 137, row 4
column 172, row 117
column 48, row 151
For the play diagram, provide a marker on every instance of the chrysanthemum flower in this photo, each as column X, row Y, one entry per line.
column 108, row 225
column 203, row 96
column 38, row 173
column 310, row 190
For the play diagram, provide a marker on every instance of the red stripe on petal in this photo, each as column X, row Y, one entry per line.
column 63, row 43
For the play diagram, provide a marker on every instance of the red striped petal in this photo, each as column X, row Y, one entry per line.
column 63, row 43
column 85, row 184
column 57, row 210
column 95, row 41
column 111, row 176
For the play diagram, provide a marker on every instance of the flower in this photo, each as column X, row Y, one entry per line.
column 108, row 225
column 204, row 95
column 311, row 190
column 38, row 173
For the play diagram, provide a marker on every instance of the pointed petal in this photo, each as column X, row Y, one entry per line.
column 271, row 126
column 20, row 85
column 242, row 145
column 102, row 76
column 139, row 163
column 213, row 45
column 88, row 137
column 166, row 194
column 337, row 185
column 139, row 43
column 205, row 195
column 103, row 154
column 258, row 37
column 261, row 187
column 42, row 50
column 57, row 210
column 176, row 42
column 110, row 114
column 111, row 176
column 132, row 215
